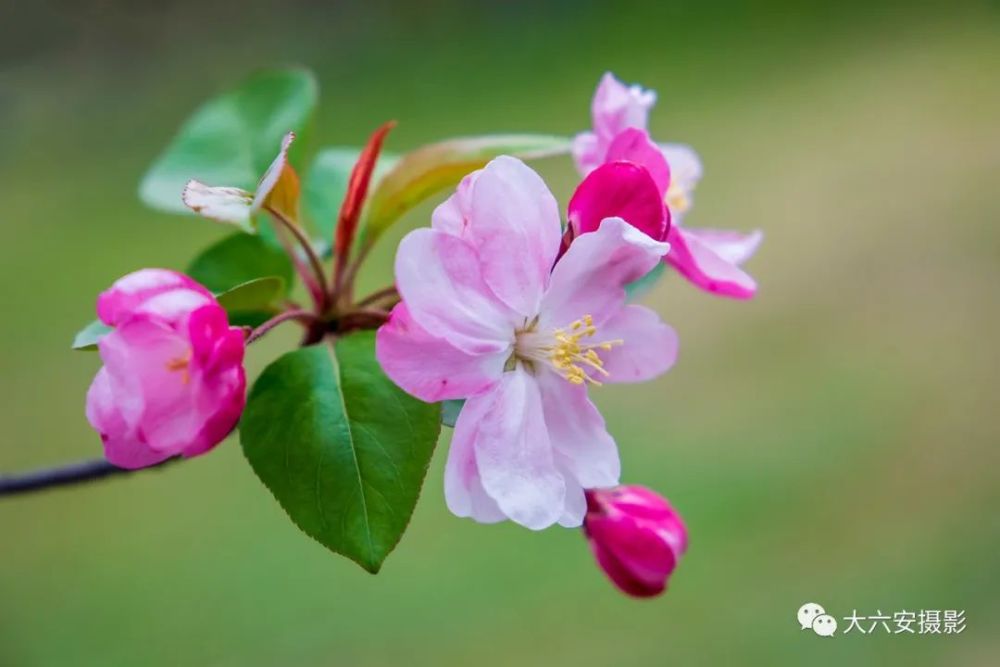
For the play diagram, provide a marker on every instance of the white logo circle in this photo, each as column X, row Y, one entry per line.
column 808, row 613
column 824, row 625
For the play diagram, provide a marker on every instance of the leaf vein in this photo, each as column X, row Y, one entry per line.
column 331, row 353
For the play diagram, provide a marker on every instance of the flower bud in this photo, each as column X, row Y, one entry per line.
column 636, row 536
column 173, row 381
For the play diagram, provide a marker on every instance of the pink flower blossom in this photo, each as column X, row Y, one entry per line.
column 484, row 316
column 173, row 381
column 636, row 536
column 709, row 259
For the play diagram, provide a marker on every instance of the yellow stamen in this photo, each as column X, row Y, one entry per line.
column 569, row 355
column 677, row 199
column 181, row 364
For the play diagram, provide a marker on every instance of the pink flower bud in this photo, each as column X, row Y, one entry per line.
column 636, row 536
column 173, row 381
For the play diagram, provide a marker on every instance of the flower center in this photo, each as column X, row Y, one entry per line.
column 567, row 351
column 677, row 199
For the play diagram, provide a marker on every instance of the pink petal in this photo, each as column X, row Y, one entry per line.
column 440, row 279
column 512, row 220
column 685, row 165
column 173, row 307
column 514, row 454
column 122, row 446
column 463, row 488
column 153, row 392
column 616, row 106
column 578, row 434
column 219, row 399
column 429, row 367
column 648, row 349
column 588, row 152
column 575, row 503
column 636, row 560
column 618, row 190
column 733, row 247
column 634, row 145
column 590, row 278
column 654, row 511
column 704, row 268
column 685, row 169
column 452, row 216
column 130, row 292
column 206, row 325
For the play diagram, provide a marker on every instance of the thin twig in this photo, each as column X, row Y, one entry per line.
column 320, row 293
column 73, row 473
column 261, row 331
column 362, row 318
column 351, row 273
column 385, row 293
column 301, row 266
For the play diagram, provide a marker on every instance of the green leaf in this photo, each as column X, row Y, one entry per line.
column 238, row 259
column 253, row 302
column 434, row 167
column 340, row 446
column 641, row 287
column 325, row 184
column 87, row 337
column 450, row 411
column 253, row 294
column 231, row 139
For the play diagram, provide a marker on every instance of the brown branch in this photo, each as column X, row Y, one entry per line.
column 65, row 475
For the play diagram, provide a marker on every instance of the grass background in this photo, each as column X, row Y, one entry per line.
column 834, row 440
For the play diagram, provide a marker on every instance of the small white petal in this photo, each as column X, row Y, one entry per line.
column 222, row 204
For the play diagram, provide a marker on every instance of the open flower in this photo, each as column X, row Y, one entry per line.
column 636, row 536
column 709, row 259
column 484, row 316
column 173, row 381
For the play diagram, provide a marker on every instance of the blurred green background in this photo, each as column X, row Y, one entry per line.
column 834, row 440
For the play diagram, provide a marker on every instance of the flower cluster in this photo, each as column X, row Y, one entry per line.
column 497, row 304
column 709, row 258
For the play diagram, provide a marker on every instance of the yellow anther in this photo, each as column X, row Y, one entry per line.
column 181, row 364
column 569, row 354
column 677, row 199
column 564, row 350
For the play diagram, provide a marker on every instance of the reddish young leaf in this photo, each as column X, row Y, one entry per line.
column 357, row 190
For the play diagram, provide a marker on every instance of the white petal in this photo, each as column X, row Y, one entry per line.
column 590, row 278
column 514, row 454
column 440, row 279
column 649, row 347
column 463, row 489
column 222, row 204
column 576, row 429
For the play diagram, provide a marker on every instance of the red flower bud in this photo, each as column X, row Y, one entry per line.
column 636, row 536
